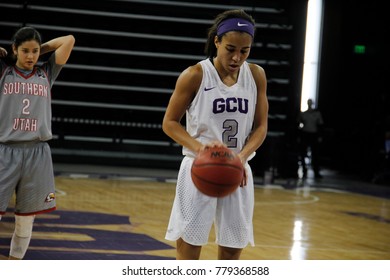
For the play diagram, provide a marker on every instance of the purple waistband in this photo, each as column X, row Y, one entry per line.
column 236, row 24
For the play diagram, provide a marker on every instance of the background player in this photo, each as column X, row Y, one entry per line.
column 224, row 99
column 25, row 111
column 310, row 123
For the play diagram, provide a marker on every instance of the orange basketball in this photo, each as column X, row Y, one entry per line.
column 217, row 172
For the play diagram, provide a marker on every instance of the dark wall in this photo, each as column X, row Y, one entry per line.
column 353, row 98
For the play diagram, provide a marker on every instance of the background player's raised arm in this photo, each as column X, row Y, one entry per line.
column 62, row 46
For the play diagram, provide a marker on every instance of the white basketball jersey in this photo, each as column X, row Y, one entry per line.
column 220, row 112
column 25, row 102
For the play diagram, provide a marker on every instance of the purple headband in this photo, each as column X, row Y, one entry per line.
column 236, row 24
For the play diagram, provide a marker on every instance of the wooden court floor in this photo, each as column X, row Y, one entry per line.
column 125, row 217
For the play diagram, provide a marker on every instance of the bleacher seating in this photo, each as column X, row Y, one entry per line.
column 109, row 100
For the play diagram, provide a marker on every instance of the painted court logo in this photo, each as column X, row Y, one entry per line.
column 89, row 236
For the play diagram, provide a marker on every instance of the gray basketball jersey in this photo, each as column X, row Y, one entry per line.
column 220, row 112
column 25, row 102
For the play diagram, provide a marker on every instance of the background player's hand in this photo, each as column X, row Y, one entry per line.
column 3, row 52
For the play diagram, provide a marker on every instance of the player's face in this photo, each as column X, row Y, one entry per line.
column 233, row 50
column 27, row 54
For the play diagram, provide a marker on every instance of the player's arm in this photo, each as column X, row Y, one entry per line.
column 62, row 46
column 260, row 125
column 3, row 52
column 186, row 87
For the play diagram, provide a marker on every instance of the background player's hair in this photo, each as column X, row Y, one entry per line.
column 22, row 35
column 26, row 34
column 210, row 49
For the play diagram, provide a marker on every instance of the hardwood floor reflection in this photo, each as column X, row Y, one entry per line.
column 126, row 218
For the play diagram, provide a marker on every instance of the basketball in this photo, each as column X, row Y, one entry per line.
column 217, row 171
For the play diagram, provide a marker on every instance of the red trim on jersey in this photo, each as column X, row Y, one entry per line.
column 36, row 213
column 29, row 75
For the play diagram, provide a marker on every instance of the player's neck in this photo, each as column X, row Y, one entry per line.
column 24, row 71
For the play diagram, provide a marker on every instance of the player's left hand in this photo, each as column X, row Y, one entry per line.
column 244, row 179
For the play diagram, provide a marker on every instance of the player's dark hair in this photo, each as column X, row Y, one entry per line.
column 22, row 35
column 26, row 34
column 210, row 49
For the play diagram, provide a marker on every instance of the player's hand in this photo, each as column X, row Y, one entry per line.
column 215, row 144
column 3, row 52
column 212, row 144
column 244, row 179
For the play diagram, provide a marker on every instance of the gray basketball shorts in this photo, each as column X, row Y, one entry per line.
column 26, row 170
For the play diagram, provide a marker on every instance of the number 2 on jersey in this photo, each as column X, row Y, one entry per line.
column 26, row 104
column 229, row 133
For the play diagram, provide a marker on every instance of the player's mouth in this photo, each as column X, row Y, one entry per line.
column 234, row 67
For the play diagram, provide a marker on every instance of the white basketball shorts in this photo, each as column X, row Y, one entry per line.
column 193, row 213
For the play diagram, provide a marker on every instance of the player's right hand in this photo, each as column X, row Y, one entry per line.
column 3, row 52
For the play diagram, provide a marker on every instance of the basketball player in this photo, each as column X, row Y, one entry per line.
column 224, row 99
column 25, row 113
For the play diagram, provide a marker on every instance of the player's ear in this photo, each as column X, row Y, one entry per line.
column 216, row 41
column 14, row 49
